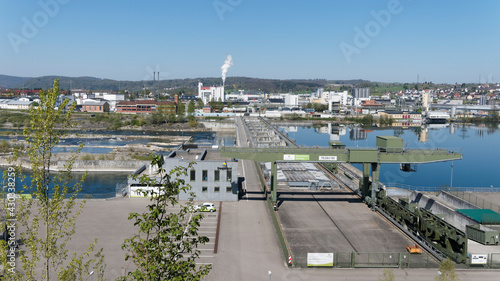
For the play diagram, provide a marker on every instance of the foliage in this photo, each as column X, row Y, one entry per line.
column 190, row 107
column 181, row 109
column 192, row 121
column 292, row 116
column 47, row 223
column 367, row 120
column 156, row 118
column 447, row 270
column 165, row 247
column 199, row 104
column 216, row 105
column 4, row 146
column 387, row 275
column 384, row 120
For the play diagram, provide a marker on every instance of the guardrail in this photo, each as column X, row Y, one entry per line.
column 475, row 200
column 443, row 188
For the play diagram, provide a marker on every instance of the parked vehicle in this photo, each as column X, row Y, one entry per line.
column 205, row 207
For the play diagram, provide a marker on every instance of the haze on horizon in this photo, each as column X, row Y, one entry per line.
column 387, row 41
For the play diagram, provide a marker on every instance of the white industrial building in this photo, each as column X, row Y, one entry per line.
column 291, row 100
column 83, row 96
column 207, row 94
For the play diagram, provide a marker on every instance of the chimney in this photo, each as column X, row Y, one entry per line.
column 176, row 99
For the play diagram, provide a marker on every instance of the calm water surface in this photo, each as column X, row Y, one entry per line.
column 480, row 147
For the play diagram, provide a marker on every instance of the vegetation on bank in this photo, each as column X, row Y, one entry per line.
column 492, row 119
column 45, row 225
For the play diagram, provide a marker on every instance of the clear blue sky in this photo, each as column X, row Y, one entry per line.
column 441, row 41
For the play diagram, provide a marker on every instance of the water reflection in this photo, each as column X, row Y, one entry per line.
column 478, row 143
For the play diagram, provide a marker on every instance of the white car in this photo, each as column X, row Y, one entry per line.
column 205, row 207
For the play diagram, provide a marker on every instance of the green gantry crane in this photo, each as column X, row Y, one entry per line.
column 389, row 150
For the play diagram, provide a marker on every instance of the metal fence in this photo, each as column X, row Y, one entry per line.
column 452, row 190
column 476, row 200
column 377, row 260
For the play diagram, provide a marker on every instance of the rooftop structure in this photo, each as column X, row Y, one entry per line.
column 211, row 177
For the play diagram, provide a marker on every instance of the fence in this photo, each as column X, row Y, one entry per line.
column 476, row 200
column 452, row 190
column 377, row 260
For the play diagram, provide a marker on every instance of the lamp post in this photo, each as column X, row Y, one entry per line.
column 269, row 272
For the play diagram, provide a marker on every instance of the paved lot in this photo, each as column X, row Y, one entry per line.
column 331, row 222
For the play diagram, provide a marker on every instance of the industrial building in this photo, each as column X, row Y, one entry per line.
column 207, row 94
column 211, row 177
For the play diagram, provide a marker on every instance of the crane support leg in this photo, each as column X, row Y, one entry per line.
column 274, row 182
column 375, row 178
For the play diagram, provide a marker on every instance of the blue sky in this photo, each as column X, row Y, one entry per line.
column 441, row 41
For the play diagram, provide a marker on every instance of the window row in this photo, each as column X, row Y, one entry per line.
column 216, row 189
column 204, row 175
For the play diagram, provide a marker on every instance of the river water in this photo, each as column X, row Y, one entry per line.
column 480, row 146
column 99, row 184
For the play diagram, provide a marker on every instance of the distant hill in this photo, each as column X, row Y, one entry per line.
column 12, row 81
column 185, row 85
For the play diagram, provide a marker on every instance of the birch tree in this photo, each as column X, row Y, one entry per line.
column 46, row 216
column 165, row 246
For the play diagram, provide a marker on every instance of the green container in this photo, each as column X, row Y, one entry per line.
column 389, row 143
column 485, row 237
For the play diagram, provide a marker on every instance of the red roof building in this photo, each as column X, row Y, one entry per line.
column 145, row 106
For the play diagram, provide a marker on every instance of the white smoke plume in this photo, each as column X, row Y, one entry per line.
column 227, row 64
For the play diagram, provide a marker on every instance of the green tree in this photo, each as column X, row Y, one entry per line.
column 165, row 247
column 446, row 271
column 309, row 105
column 192, row 122
column 191, row 107
column 47, row 217
column 181, row 109
column 199, row 104
column 157, row 118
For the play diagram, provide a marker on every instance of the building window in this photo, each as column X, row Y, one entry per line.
column 192, row 175
column 229, row 189
column 229, row 175
column 204, row 189
column 204, row 175
column 216, row 175
column 217, row 189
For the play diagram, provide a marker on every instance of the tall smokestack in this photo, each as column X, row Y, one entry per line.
column 227, row 64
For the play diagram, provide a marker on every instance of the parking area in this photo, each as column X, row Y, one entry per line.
column 335, row 222
column 208, row 228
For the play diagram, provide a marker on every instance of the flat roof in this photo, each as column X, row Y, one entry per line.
column 389, row 137
column 212, row 155
column 481, row 215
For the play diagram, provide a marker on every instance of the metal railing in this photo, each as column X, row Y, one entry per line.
column 376, row 260
column 476, row 200
column 452, row 190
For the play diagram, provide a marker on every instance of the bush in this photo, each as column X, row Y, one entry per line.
column 4, row 146
column 87, row 157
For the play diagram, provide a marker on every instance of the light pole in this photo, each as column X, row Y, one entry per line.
column 269, row 272
column 91, row 273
